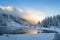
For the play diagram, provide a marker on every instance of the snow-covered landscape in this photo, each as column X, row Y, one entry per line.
column 14, row 27
column 42, row 36
column 29, row 20
column 38, row 36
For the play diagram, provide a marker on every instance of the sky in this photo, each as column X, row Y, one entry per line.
column 40, row 8
column 48, row 7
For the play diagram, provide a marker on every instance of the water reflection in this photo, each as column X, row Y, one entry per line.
column 57, row 37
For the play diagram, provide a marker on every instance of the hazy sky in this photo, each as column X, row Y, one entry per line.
column 47, row 7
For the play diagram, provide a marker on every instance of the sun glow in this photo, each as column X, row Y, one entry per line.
column 33, row 16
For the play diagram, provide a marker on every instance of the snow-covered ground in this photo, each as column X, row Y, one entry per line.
column 41, row 36
column 52, row 29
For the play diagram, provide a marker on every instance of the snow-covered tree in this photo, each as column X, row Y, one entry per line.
column 51, row 21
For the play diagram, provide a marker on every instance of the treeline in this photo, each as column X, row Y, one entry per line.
column 51, row 21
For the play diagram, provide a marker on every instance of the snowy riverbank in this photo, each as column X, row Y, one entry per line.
column 41, row 36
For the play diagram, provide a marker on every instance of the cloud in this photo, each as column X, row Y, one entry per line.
column 29, row 14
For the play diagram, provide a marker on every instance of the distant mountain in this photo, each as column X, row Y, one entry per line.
column 6, row 20
column 30, row 15
column 10, row 19
column 12, row 16
column 9, row 22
